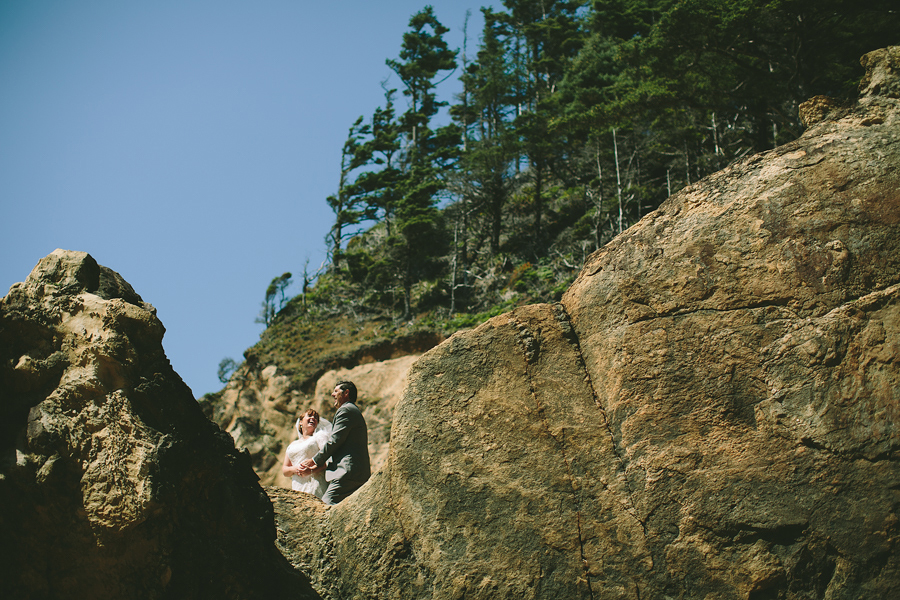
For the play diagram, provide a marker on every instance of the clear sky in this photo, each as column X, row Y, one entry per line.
column 189, row 144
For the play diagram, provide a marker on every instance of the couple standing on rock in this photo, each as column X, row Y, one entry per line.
column 346, row 444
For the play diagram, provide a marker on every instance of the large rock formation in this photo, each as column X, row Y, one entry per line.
column 112, row 482
column 710, row 412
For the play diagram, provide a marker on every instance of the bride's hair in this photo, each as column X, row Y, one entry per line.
column 326, row 426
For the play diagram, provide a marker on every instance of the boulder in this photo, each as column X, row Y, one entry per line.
column 113, row 483
column 710, row 412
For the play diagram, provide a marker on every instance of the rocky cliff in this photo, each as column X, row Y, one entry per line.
column 113, row 484
column 710, row 412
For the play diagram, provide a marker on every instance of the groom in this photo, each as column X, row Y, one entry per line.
column 348, row 447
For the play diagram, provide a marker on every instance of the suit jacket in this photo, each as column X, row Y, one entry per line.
column 348, row 447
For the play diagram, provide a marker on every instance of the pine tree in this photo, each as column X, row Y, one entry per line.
column 424, row 54
column 348, row 203
column 488, row 114
column 379, row 187
column 549, row 36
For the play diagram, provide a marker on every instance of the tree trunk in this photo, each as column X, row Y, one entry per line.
column 538, row 199
column 598, row 203
column 618, row 178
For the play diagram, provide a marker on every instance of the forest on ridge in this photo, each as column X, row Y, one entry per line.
column 575, row 119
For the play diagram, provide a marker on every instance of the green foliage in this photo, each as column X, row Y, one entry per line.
column 377, row 187
column 575, row 120
column 349, row 204
column 227, row 366
column 541, row 281
column 461, row 321
column 423, row 55
column 276, row 287
column 415, row 238
column 486, row 115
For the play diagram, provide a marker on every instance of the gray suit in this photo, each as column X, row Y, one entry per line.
column 348, row 449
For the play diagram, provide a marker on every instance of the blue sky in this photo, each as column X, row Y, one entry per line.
column 189, row 145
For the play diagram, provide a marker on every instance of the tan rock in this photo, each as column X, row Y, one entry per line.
column 882, row 78
column 258, row 408
column 816, row 109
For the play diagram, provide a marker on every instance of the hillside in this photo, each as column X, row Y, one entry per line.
column 575, row 122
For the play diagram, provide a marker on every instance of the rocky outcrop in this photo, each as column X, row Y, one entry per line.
column 258, row 408
column 112, row 482
column 710, row 412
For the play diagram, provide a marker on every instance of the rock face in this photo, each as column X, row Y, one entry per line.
column 710, row 412
column 112, row 482
column 258, row 408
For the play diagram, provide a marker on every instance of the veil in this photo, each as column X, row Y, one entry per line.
column 323, row 429
column 323, row 426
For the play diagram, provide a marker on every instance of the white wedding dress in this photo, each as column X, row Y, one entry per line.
column 307, row 447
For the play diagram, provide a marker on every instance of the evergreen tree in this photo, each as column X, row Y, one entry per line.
column 488, row 113
column 277, row 286
column 379, row 187
column 548, row 36
column 424, row 54
column 576, row 119
column 742, row 67
column 348, row 203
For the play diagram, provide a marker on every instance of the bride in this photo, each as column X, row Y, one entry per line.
column 312, row 433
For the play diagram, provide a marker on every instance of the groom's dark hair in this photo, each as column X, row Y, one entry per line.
column 349, row 386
